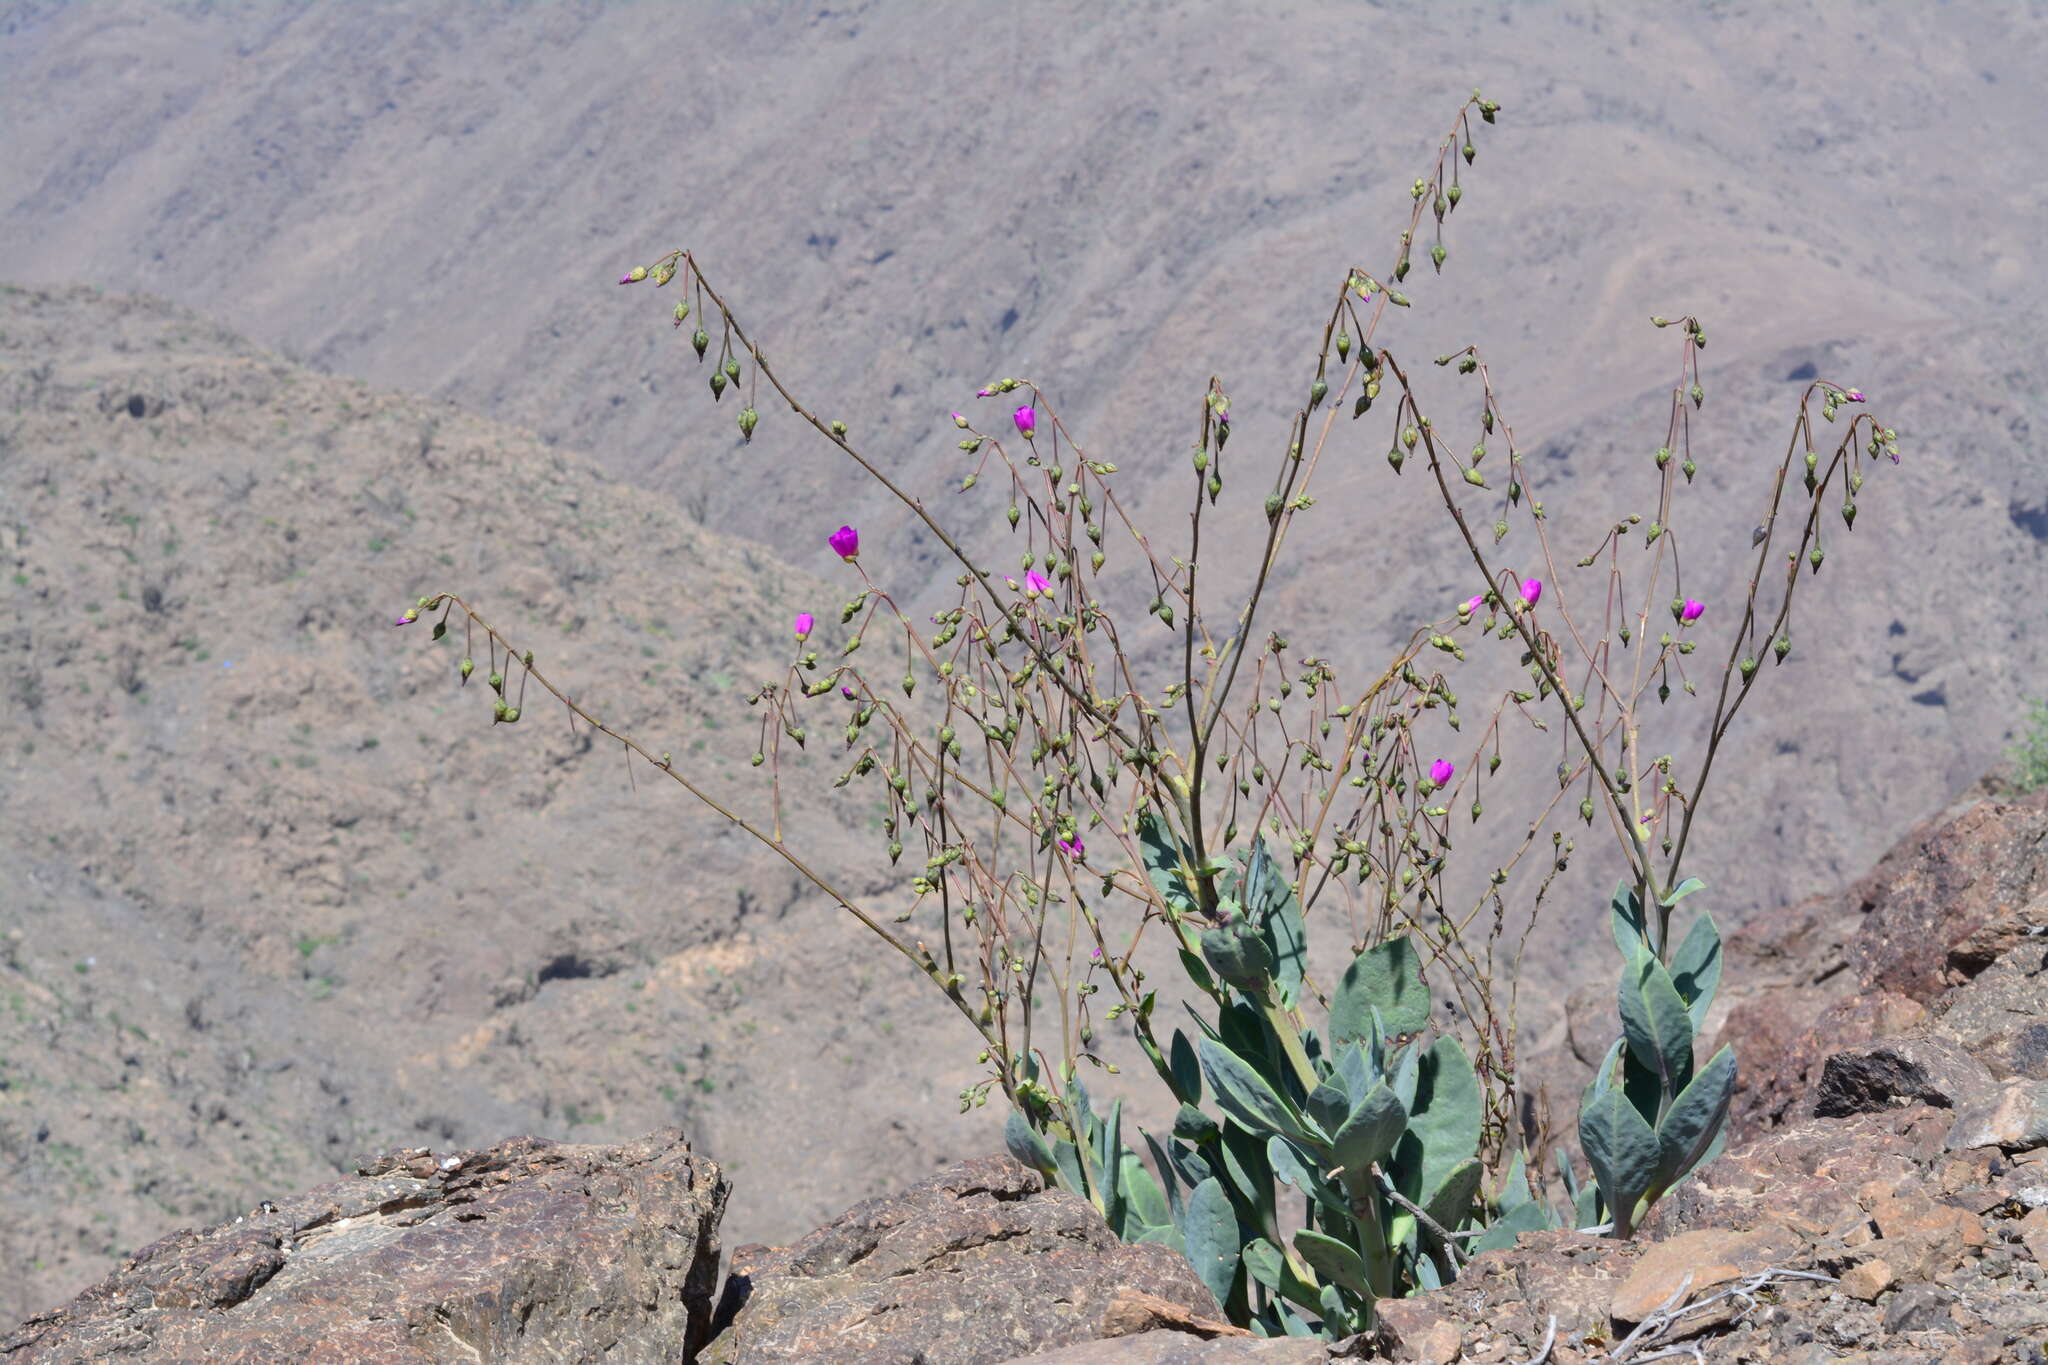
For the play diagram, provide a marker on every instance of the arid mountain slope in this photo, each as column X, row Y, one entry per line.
column 272, row 888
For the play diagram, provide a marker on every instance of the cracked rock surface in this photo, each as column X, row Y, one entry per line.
column 529, row 1250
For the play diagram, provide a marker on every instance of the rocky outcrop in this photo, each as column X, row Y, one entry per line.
column 526, row 1251
column 979, row 1264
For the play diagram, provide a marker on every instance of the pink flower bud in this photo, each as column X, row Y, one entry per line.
column 1532, row 591
column 1027, row 421
column 1076, row 850
column 846, row 692
column 1690, row 612
column 1036, row 582
column 960, row 420
column 988, row 392
column 411, row 615
column 1440, row 771
column 1475, row 604
column 1855, row 395
column 634, row 276
column 804, row 622
column 845, row 543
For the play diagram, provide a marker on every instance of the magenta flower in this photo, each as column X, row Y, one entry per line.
column 1441, row 770
column 1095, row 954
column 1690, row 612
column 1027, row 421
column 1036, row 582
column 988, row 392
column 845, row 543
column 1854, row 395
column 411, row 615
column 804, row 622
column 1074, row 849
column 1532, row 591
column 1476, row 603
column 846, row 692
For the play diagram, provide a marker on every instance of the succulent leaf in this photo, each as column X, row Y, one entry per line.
column 1387, row 977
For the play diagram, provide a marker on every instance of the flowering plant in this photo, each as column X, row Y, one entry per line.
column 1072, row 789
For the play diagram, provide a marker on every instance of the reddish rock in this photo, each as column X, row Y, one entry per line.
column 1898, row 1072
column 526, row 1251
column 977, row 1265
column 1962, row 897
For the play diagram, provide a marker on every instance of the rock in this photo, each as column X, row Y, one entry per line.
column 1964, row 897
column 1784, row 1082
column 1178, row 1348
column 1897, row 1072
column 2001, row 1014
column 1922, row 1237
column 528, row 1250
column 1919, row 1308
column 1867, row 1279
column 979, row 1264
column 1710, row 1257
column 2013, row 1117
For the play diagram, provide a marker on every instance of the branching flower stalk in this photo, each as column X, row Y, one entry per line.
column 1027, row 748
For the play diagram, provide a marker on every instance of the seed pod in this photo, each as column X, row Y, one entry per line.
column 1469, row 152
column 511, row 715
column 1781, row 647
column 839, row 428
column 748, row 419
column 682, row 311
column 1748, row 666
column 1699, row 395
column 701, row 341
column 497, row 681
column 665, row 274
column 1409, row 436
column 1343, row 345
column 467, row 667
column 1437, row 254
column 1014, row 514
column 1454, row 194
column 1688, row 469
column 732, row 369
column 1815, row 558
column 1849, row 514
column 1316, row 391
column 1586, row 805
column 1400, row 270
column 1475, row 478
column 717, row 385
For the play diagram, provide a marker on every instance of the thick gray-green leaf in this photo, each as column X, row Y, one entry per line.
column 1293, row 1166
column 1187, row 1072
column 1165, row 1235
column 1067, row 1157
column 1451, row 1202
column 1695, row 1118
column 1109, row 1140
column 1625, row 918
column 1167, row 1171
column 1237, row 953
column 1335, row 1261
column 1387, row 977
column 1444, row 1121
column 1329, row 1104
column 1166, row 860
column 1622, row 1150
column 1682, row 890
column 1655, row 1023
column 1263, row 1262
column 1529, row 1216
column 1144, row 1203
column 1370, row 1132
column 1353, row 1072
column 1270, row 902
column 1696, row 969
column 1027, row 1146
column 1192, row 1125
column 1209, row 1229
column 1245, row 1096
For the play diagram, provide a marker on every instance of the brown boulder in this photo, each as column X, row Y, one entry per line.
column 2001, row 1014
column 528, row 1250
column 978, row 1265
column 1964, row 896
column 1897, row 1072
column 1178, row 1348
